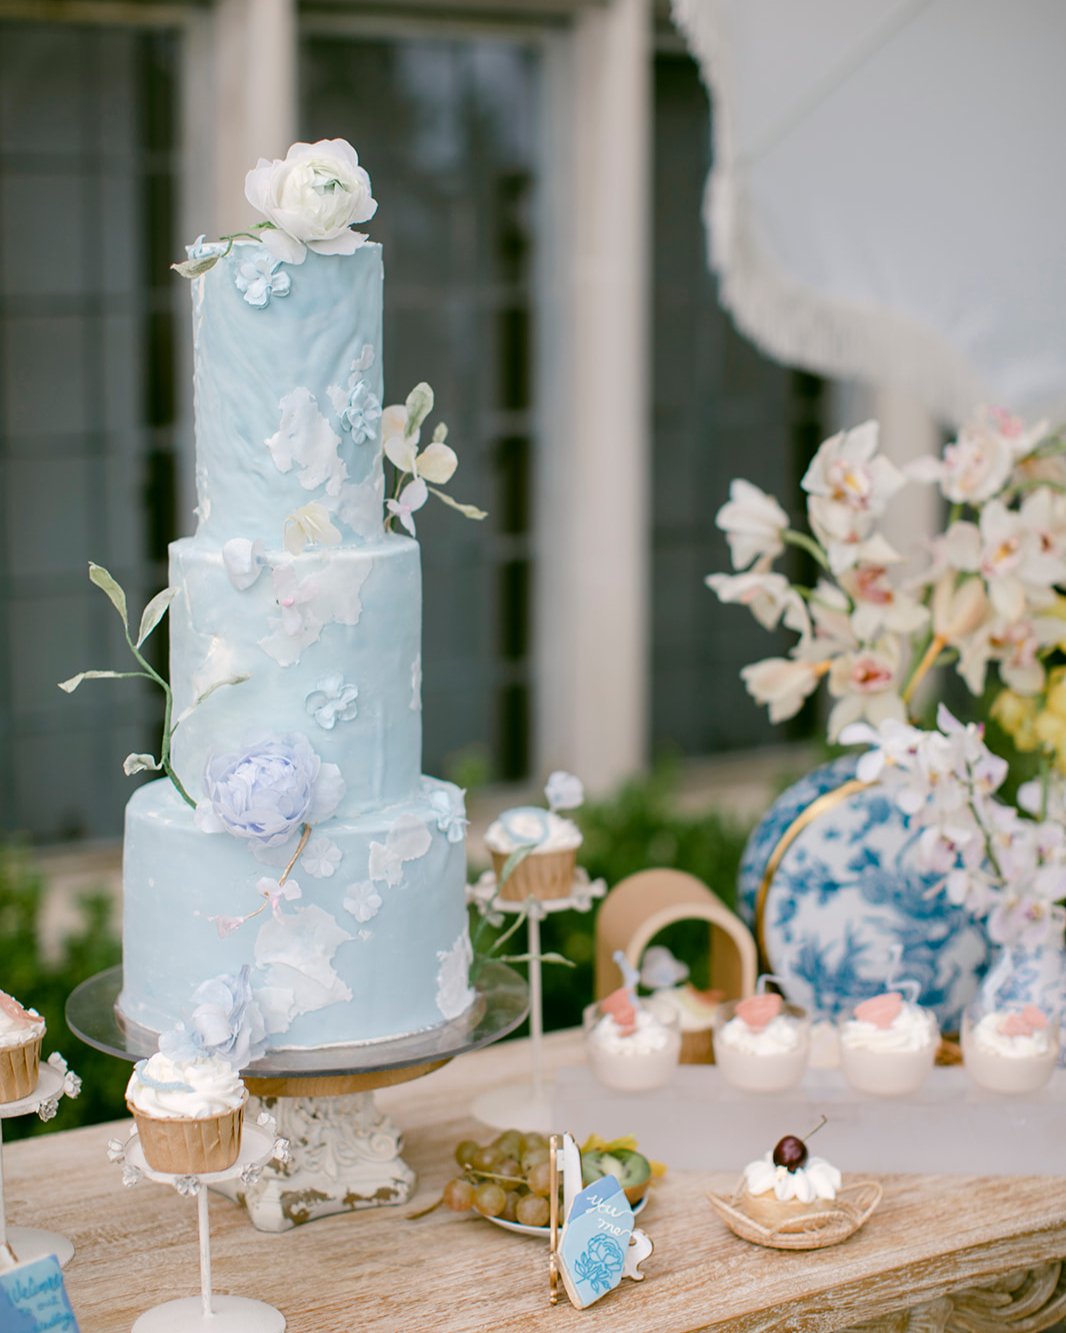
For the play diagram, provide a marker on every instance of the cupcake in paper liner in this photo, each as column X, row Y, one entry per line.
column 21, row 1034
column 189, row 1113
column 547, row 868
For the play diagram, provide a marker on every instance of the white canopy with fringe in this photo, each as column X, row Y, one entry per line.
column 888, row 194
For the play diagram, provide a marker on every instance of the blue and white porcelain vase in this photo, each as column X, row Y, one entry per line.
column 1028, row 974
column 830, row 883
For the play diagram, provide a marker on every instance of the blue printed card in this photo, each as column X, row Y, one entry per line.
column 592, row 1252
column 33, row 1299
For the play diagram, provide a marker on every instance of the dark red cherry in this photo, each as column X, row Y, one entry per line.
column 790, row 1153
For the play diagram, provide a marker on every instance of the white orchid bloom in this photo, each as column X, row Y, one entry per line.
column 879, row 604
column 309, row 525
column 978, row 464
column 1015, row 645
column 754, row 524
column 782, row 683
column 848, row 472
column 770, row 597
column 867, row 685
column 893, row 746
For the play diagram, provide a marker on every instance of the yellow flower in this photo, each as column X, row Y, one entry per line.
column 1050, row 730
column 1016, row 714
column 1056, row 692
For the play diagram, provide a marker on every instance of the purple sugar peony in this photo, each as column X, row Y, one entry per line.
column 267, row 792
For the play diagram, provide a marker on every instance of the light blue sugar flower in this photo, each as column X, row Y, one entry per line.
column 362, row 412
column 260, row 276
column 450, row 812
column 333, row 701
column 227, row 1018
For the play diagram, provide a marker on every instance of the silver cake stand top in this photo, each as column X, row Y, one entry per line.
column 502, row 1002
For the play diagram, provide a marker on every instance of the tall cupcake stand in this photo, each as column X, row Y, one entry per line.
column 527, row 1106
column 208, row 1312
column 25, row 1244
column 344, row 1151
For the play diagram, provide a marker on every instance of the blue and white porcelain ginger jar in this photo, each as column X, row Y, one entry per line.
column 844, row 889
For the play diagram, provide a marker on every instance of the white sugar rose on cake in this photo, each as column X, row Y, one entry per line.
column 534, row 851
column 21, row 1035
column 291, row 861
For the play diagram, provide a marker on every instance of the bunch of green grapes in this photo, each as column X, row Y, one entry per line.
column 509, row 1178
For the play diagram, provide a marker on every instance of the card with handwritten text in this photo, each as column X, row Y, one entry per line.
column 33, row 1299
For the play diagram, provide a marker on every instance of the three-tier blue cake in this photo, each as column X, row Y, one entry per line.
column 320, row 878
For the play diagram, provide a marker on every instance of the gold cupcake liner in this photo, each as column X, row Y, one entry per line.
column 186, row 1147
column 20, row 1069
column 541, row 875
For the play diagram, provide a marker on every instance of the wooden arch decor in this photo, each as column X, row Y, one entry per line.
column 641, row 905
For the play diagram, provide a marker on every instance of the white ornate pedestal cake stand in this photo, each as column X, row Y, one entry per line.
column 208, row 1313
column 527, row 1106
column 26, row 1244
column 345, row 1151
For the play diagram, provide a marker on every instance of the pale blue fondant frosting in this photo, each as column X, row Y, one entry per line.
column 323, row 634
column 176, row 877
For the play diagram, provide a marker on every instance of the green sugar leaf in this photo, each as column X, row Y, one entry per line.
column 154, row 613
column 468, row 511
column 419, row 405
column 192, row 268
column 104, row 581
column 72, row 684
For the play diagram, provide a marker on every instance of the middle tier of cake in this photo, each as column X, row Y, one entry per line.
column 327, row 644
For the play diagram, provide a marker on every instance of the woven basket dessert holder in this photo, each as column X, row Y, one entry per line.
column 803, row 1231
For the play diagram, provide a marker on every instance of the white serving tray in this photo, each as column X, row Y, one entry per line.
column 698, row 1123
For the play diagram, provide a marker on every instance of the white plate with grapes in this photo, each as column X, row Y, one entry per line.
column 508, row 1180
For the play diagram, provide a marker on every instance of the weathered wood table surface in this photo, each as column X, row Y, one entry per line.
column 940, row 1253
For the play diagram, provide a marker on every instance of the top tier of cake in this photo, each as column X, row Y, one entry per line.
column 288, row 394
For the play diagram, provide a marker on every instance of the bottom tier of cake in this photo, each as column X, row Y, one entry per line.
column 365, row 940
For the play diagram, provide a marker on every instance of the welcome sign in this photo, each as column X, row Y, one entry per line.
column 33, row 1299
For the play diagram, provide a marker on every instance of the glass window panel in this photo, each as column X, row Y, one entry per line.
column 720, row 410
column 446, row 129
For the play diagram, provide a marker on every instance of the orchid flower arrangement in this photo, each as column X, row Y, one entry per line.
column 984, row 595
column 873, row 626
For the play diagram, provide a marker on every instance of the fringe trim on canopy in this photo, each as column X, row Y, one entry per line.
column 791, row 322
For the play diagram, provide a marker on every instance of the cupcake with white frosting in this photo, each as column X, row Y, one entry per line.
column 761, row 1044
column 188, row 1112
column 788, row 1183
column 1011, row 1050
column 534, row 851
column 888, row 1045
column 21, row 1034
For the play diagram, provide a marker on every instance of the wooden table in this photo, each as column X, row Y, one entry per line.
column 938, row 1254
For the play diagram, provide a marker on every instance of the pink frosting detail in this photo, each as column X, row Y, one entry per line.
column 759, row 1010
column 882, row 1010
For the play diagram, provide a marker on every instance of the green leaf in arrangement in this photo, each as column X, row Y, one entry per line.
column 467, row 511
column 72, row 684
column 513, row 862
column 419, row 406
column 104, row 581
column 154, row 613
column 192, row 268
column 440, row 433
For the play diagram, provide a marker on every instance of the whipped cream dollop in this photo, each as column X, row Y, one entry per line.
column 816, row 1179
column 781, row 1035
column 989, row 1035
column 650, row 1035
column 912, row 1029
column 191, row 1090
column 18, row 1025
column 529, row 825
